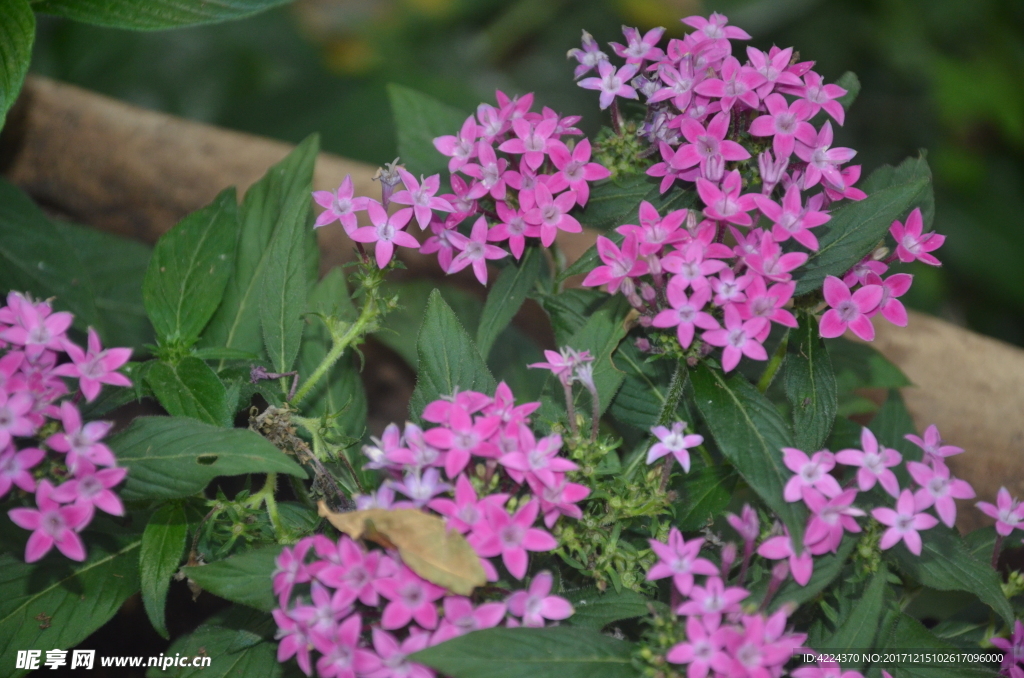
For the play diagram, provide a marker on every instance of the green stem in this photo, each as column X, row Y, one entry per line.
column 266, row 496
column 668, row 411
column 338, row 348
column 774, row 364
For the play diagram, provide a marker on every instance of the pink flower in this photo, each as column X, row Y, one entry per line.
column 753, row 651
column 713, row 600
column 728, row 288
column 826, row 670
column 393, row 657
column 849, row 310
column 703, row 649
column 1013, row 647
column 939, row 489
column 354, row 569
column 1008, row 512
column 463, row 437
column 342, row 656
column 674, row 442
column 767, row 303
column 52, row 525
column 679, row 83
column 460, row 617
column 539, row 460
column 686, row 313
column 421, row 488
column 934, row 448
column 707, row 144
column 513, row 227
column 339, row 205
column 81, row 442
column 777, row 548
column 911, row 245
column 551, row 213
column 575, row 170
column 858, row 275
column 738, row 339
column 475, row 251
column 904, row 523
column 15, row 416
column 460, row 148
column 737, row 83
column 770, row 261
column 894, row 286
column 774, row 67
column 15, row 467
column 782, row 123
column 874, row 463
column 95, row 367
column 715, row 28
column 411, row 596
column 535, row 605
column 294, row 641
column 386, row 232
column 726, row 203
column 421, row 196
column 533, row 141
column 746, row 524
column 559, row 500
column 562, row 364
column 679, row 559
column 36, row 328
column 691, row 266
column 655, row 232
column 819, row 96
column 829, row 520
column 639, row 48
column 92, row 488
column 792, row 219
column 291, row 570
column 465, row 512
column 611, row 83
column 810, row 472
column 821, row 158
column 588, row 57
column 511, row 536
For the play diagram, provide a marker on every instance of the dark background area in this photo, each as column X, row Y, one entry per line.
column 944, row 75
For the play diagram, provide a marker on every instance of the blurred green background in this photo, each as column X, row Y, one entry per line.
column 945, row 75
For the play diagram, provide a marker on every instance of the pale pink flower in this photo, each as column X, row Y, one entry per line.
column 465, row 511
column 489, row 173
column 533, row 141
column 715, row 27
column 811, row 472
column 726, row 203
column 81, row 442
column 536, row 604
column 713, row 600
column 1008, row 512
column 551, row 214
column 938, row 488
column 738, row 83
column 15, row 416
column 291, row 570
column 904, row 523
column 875, row 463
column 772, row 263
column 386, row 232
column 421, row 196
column 342, row 656
column 16, row 467
column 588, row 57
column 858, row 275
column 36, row 328
column 792, row 219
column 639, row 48
column 475, row 251
column 774, row 67
column 778, row 548
column 294, row 641
column 830, row 519
column 934, row 448
column 611, row 83
column 512, row 227
column 822, row 160
column 685, row 313
column 675, row 442
column 782, row 123
column 691, row 266
column 703, row 649
column 339, row 205
column 356, row 570
column 575, row 170
column 619, row 264
column 708, row 144
column 461, row 147
column 91, row 488
column 849, row 310
column 679, row 559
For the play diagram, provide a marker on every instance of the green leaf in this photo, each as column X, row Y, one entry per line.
column 341, row 391
column 448, row 358
column 858, row 365
column 851, row 83
column 595, row 610
column 233, row 649
column 413, row 297
column 751, row 433
column 826, row 569
column 601, row 335
column 94, row 275
column 858, row 227
column 173, row 457
column 909, row 170
column 505, row 298
column 810, row 385
column 911, row 635
column 982, row 542
column 891, row 424
column 857, row 632
column 264, row 212
column 154, row 14
column 639, row 402
column 163, row 543
column 946, row 564
column 558, row 652
column 189, row 270
column 245, row 578
column 703, row 494
column 190, row 388
column 419, row 119
column 55, row 603
column 17, row 33
column 616, row 200
column 569, row 311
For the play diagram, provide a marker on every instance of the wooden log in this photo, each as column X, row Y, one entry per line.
column 137, row 172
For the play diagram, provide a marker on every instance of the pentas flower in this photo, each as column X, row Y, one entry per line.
column 875, row 462
column 679, row 559
column 639, row 48
column 460, row 617
column 393, row 656
column 934, row 448
column 707, row 145
column 746, row 524
column 94, row 367
column 475, row 251
column 536, row 604
column 767, row 303
column 421, row 196
column 16, row 468
column 752, row 654
column 538, row 459
column 511, row 536
column 911, row 244
column 534, row 142
column 685, row 313
column 460, row 147
column 890, row 306
column 738, row 83
column 858, row 275
column 291, row 570
column 512, row 227
column 611, row 82
column 411, row 596
column 781, row 547
column 36, row 328
column 440, row 243
column 465, row 511
column 822, row 160
column 713, row 600
column 421, row 488
column 716, row 27
column 792, row 219
column 92, row 488
column 386, row 232
column 905, row 522
column 679, row 84
column 52, row 525
column 692, row 266
column 1012, row 646
column 703, row 649
column 340, row 205
column 575, row 170
column 811, row 472
column 489, row 173
column 738, row 338
column 825, row 669
column 294, row 641
column 15, row 419
column 819, row 95
column 726, row 203
column 588, row 57
column 560, row 500
column 356, row 570
column 830, row 519
column 772, row 263
column 849, row 310
column 342, row 657
column 1007, row 511
column 81, row 442
column 551, row 214
column 774, row 67
column 675, row 442
column 938, row 489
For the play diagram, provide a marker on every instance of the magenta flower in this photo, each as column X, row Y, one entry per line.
column 538, row 460
column 772, row 171
column 588, row 57
column 938, row 488
column 611, row 83
column 746, row 524
column 559, row 500
column 575, row 170
column 874, row 462
column 513, row 227
column 551, row 214
column 792, row 219
column 463, row 437
column 713, row 600
column 890, row 306
column 911, row 245
column 321, row 618
column 726, row 203
column 668, row 173
column 92, row 489
column 511, row 536
column 679, row 83
column 829, row 520
column 819, row 96
column 679, row 559
column 386, row 232
column 15, row 416
column 639, row 48
column 291, row 570
column 675, row 442
column 460, row 617
column 535, row 604
column 421, row 196
column 777, row 548
column 728, row 288
column 738, row 339
column 691, row 266
column 811, row 472
column 767, row 303
column 475, row 250
column 465, row 512
column 411, row 596
column 774, row 67
column 738, row 83
column 934, row 448
column 533, row 141
column 707, row 144
column 489, row 173
column 1008, row 512
column 94, row 367
column 294, row 641
column 849, row 310
column 391, row 657
column 822, row 160
column 753, row 652
column 562, row 364
column 770, row 261
column 36, row 328
column 461, row 147
column 703, row 649
column 685, row 313
column 654, row 232
column 81, row 442
column 16, row 466
column 715, row 28
column 440, row 242
column 783, row 122
column 52, row 525
column 858, row 275
column 339, row 205
column 342, row 656
column 356, row 570
column 904, row 522
column 1012, row 646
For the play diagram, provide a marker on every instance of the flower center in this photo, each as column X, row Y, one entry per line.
column 512, row 535
column 847, row 311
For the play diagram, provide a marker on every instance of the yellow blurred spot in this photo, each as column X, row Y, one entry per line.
column 350, row 55
column 647, row 14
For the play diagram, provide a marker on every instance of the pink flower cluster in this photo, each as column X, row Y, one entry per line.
column 710, row 115
column 522, row 177
column 496, row 431
column 37, row 362
column 366, row 611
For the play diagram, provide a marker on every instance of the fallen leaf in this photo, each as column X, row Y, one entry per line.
column 424, row 542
